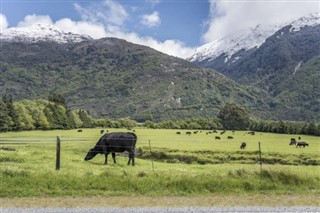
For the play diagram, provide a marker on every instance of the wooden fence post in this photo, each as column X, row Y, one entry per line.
column 260, row 159
column 151, row 156
column 58, row 154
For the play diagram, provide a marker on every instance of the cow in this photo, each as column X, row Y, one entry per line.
column 188, row 133
column 243, row 145
column 230, row 137
column 300, row 144
column 79, row 130
column 112, row 143
column 217, row 138
column 224, row 131
column 292, row 141
column 101, row 131
column 178, row 133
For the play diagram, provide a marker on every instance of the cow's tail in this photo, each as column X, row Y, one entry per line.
column 135, row 138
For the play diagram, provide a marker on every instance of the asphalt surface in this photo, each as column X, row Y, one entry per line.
column 163, row 209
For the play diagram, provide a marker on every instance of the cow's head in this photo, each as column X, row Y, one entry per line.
column 91, row 154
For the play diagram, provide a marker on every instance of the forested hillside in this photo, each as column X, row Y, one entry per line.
column 113, row 78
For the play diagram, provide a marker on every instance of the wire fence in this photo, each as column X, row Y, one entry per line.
column 92, row 140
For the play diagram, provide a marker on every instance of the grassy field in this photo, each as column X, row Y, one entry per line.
column 179, row 165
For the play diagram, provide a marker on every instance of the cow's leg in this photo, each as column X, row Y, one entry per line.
column 114, row 157
column 106, row 160
column 131, row 157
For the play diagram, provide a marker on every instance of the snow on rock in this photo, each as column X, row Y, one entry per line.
column 253, row 39
column 40, row 32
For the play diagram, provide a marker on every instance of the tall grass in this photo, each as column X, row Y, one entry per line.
column 183, row 165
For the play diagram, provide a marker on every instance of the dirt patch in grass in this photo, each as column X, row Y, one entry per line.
column 128, row 201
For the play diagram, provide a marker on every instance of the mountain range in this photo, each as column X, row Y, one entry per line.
column 276, row 76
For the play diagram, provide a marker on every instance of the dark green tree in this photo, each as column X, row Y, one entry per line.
column 9, row 111
column 233, row 117
column 57, row 99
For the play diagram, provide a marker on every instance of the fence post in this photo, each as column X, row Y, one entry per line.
column 58, row 154
column 260, row 159
column 151, row 156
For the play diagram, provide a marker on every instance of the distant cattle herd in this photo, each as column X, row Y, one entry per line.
column 120, row 142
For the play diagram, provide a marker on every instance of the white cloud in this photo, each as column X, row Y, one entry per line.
column 170, row 47
column 3, row 22
column 32, row 19
column 230, row 17
column 107, row 12
column 151, row 20
column 95, row 31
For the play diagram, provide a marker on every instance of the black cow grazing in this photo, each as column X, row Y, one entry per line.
column 243, row 145
column 299, row 138
column 195, row 132
column 300, row 144
column 292, row 141
column 101, row 131
column 178, row 133
column 214, row 131
column 230, row 137
column 114, row 142
column 252, row 133
column 79, row 130
column 188, row 133
column 217, row 138
column 224, row 131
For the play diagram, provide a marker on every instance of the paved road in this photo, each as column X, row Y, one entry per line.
column 163, row 209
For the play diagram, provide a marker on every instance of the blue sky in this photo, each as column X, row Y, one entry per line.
column 175, row 27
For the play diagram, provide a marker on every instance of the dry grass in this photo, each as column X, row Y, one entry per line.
column 205, row 201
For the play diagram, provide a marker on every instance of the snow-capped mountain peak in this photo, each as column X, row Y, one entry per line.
column 41, row 32
column 232, row 44
column 253, row 39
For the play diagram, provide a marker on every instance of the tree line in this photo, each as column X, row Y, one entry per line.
column 55, row 114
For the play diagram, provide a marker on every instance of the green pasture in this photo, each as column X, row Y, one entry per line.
column 178, row 164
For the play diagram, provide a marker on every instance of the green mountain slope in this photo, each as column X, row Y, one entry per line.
column 114, row 78
column 286, row 66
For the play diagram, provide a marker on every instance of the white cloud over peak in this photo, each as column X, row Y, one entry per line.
column 151, row 20
column 32, row 19
column 230, row 17
column 3, row 22
column 95, row 31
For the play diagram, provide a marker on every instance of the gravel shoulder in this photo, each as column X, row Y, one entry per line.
column 163, row 209
column 143, row 204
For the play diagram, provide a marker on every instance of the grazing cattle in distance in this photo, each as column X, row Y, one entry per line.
column 252, row 133
column 195, row 132
column 214, row 131
column 114, row 142
column 230, row 137
column 79, row 130
column 299, row 138
column 224, row 131
column 243, row 145
column 300, row 144
column 292, row 141
column 217, row 138
column 188, row 133
column 178, row 133
column 101, row 131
